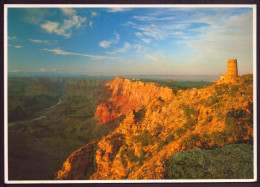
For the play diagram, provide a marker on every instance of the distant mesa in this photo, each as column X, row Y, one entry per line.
column 231, row 74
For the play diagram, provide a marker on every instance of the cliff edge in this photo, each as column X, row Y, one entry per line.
column 127, row 95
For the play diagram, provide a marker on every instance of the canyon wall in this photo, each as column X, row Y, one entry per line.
column 141, row 146
column 127, row 95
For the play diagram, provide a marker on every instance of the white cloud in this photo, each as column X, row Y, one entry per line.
column 93, row 57
column 15, row 46
column 68, row 11
column 154, row 18
column 11, row 37
column 60, row 52
column 150, row 57
column 117, row 37
column 91, row 24
column 225, row 37
column 146, row 40
column 50, row 26
column 139, row 48
column 153, row 31
column 106, row 44
column 121, row 50
column 36, row 15
column 160, row 59
column 138, row 34
column 64, row 28
column 93, row 14
column 114, row 10
column 38, row 41
column 18, row 46
column 47, row 70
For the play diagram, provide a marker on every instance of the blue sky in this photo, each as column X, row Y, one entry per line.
column 114, row 41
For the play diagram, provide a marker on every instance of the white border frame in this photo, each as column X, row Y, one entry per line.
column 6, row 6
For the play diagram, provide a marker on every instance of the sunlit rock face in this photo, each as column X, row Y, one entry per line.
column 127, row 95
column 141, row 146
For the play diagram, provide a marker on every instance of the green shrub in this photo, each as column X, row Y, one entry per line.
column 212, row 100
column 191, row 116
column 219, row 138
column 186, row 165
column 190, row 123
column 191, row 141
column 139, row 115
column 131, row 155
column 123, row 161
column 133, row 158
column 168, row 139
column 234, row 90
column 221, row 89
column 207, row 120
column 202, row 101
column 247, row 79
column 212, row 164
column 189, row 111
column 205, row 141
column 117, row 140
column 145, row 138
column 236, row 123
column 179, row 131
column 141, row 158
column 157, row 130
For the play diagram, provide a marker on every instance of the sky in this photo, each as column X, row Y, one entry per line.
column 134, row 41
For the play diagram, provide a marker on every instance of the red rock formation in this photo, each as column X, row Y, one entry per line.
column 105, row 112
column 76, row 164
column 127, row 95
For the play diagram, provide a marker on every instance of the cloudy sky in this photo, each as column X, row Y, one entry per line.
column 105, row 41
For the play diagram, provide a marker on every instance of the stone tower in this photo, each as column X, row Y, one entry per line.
column 231, row 74
column 231, row 69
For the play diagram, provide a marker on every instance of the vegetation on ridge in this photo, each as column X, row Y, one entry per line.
column 205, row 118
column 234, row 161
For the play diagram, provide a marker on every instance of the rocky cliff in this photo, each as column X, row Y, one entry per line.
column 128, row 95
column 141, row 146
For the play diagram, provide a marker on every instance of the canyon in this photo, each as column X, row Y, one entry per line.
column 49, row 118
column 157, row 124
column 127, row 95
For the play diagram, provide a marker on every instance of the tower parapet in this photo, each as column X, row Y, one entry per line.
column 231, row 74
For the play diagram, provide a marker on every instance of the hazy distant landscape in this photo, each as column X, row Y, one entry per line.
column 209, row 78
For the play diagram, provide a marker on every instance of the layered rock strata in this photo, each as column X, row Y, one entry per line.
column 127, row 95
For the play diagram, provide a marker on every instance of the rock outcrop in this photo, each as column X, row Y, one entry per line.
column 141, row 146
column 128, row 95
column 75, row 166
